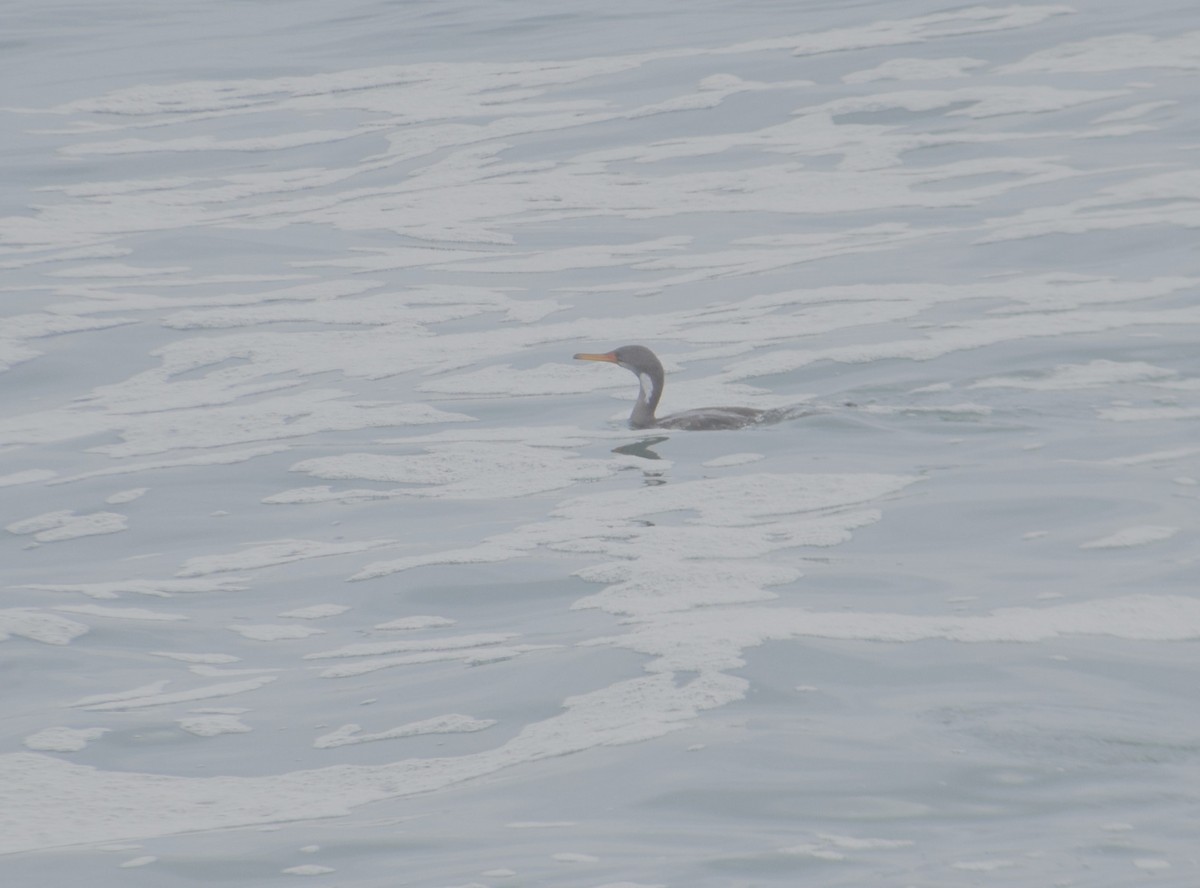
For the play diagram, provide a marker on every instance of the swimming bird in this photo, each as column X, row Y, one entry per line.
column 644, row 364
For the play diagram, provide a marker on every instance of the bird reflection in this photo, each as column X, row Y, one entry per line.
column 642, row 448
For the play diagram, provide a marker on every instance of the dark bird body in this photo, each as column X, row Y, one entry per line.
column 644, row 364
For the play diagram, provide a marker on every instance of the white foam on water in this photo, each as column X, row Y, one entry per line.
column 229, row 457
column 1115, row 52
column 961, row 337
column 126, row 496
column 119, row 613
column 982, row 866
column 213, row 725
column 1152, row 864
column 1135, row 111
column 732, row 459
column 916, row 69
column 644, row 587
column 212, row 659
column 716, row 640
column 734, row 517
column 857, row 843
column 273, row 632
column 63, row 739
column 142, row 698
column 315, row 611
column 622, row 713
column 1153, row 199
column 30, row 476
column 36, row 625
column 443, row 724
column 131, row 694
column 1132, row 536
column 308, row 869
column 156, row 588
column 541, row 824
column 273, row 553
column 133, row 862
column 1089, row 375
column 574, row 857
column 466, row 470
column 469, row 656
column 422, row 622
column 1144, row 414
column 18, row 328
column 375, row 648
column 53, row 527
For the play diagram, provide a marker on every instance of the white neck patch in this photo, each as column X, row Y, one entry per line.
column 647, row 386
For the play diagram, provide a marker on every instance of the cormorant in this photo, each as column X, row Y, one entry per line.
column 643, row 363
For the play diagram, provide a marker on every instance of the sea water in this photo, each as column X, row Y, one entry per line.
column 323, row 559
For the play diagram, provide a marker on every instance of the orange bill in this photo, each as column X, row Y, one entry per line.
column 610, row 357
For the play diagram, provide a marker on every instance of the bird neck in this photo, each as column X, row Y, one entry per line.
column 649, row 393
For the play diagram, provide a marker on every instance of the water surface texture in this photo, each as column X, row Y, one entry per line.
column 322, row 560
